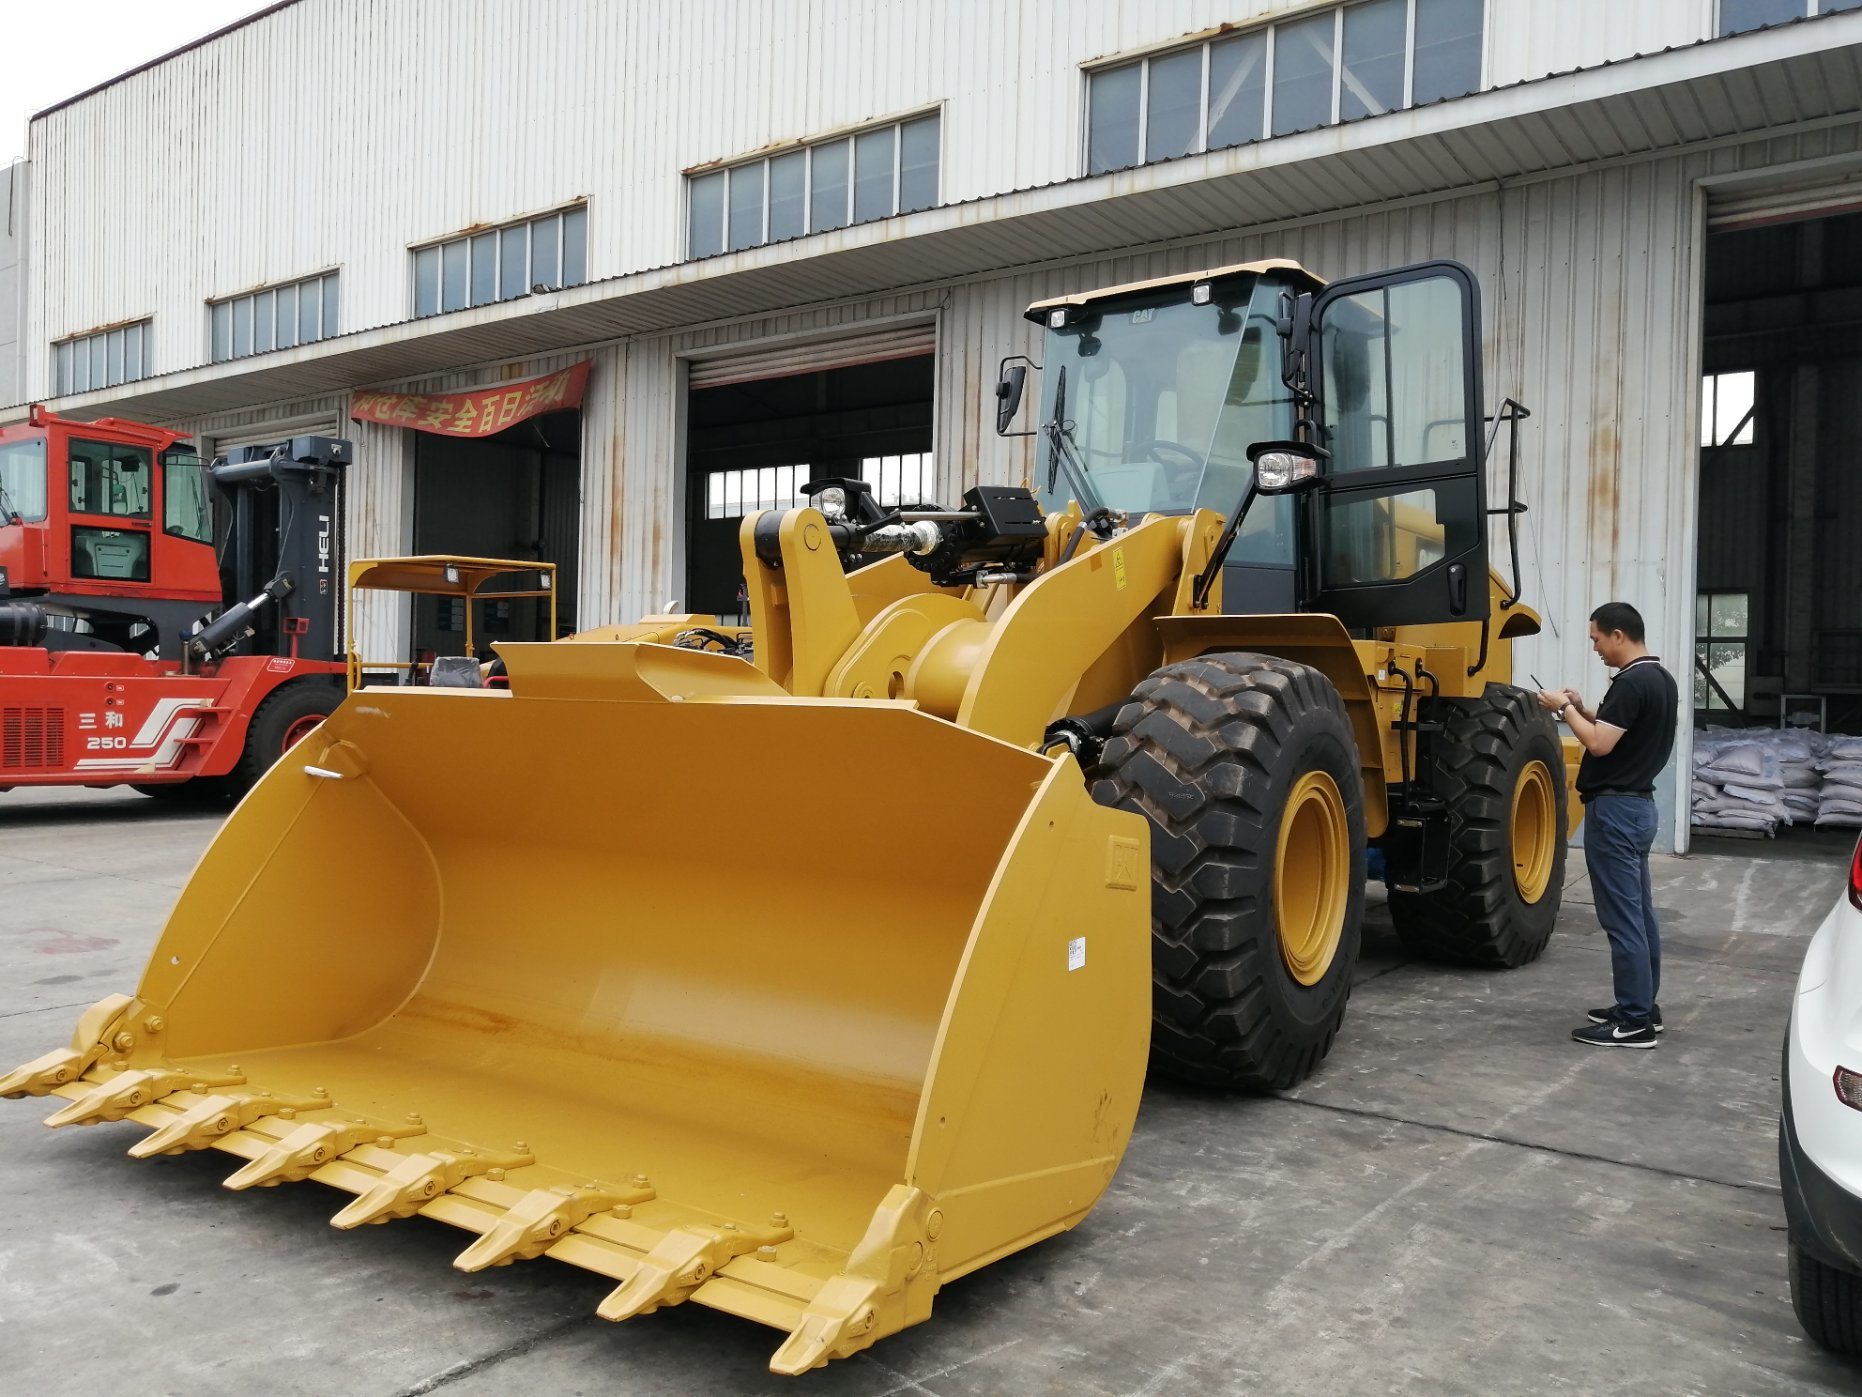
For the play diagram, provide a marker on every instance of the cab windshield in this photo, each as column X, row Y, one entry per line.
column 22, row 479
column 1160, row 399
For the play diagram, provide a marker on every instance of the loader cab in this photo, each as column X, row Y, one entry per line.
column 1153, row 393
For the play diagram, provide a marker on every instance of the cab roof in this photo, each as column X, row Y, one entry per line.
column 1038, row 311
column 426, row 574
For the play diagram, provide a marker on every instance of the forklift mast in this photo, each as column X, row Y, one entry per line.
column 284, row 539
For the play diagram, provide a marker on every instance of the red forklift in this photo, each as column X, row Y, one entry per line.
column 164, row 623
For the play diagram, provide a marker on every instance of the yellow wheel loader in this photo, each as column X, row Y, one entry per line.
column 801, row 969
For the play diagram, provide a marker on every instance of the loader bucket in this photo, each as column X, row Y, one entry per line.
column 795, row 1008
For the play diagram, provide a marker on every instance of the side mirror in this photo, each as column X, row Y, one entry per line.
column 1286, row 467
column 1009, row 396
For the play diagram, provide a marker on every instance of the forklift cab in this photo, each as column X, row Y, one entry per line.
column 109, row 519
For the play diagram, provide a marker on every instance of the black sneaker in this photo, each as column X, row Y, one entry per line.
column 1616, row 1034
column 1610, row 1014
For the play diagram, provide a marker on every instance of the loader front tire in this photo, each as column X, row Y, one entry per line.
column 1500, row 766
column 1247, row 770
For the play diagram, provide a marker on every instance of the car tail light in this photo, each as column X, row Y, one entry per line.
column 1855, row 878
column 1848, row 1087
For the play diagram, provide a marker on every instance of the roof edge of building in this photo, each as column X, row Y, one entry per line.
column 160, row 59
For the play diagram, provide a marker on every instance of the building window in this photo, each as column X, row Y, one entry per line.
column 499, row 264
column 279, row 317
column 829, row 184
column 1336, row 65
column 896, row 480
column 899, row 480
column 734, row 493
column 101, row 360
column 1720, row 621
column 1728, row 404
column 1737, row 16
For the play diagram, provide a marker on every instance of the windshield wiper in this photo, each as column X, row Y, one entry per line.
column 8, row 513
column 1061, row 450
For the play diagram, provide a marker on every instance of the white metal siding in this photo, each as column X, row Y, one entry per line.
column 1529, row 40
column 15, row 267
column 335, row 133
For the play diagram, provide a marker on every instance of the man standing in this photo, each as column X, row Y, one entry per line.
column 1627, row 740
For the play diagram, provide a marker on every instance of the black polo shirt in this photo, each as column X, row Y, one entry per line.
column 1645, row 703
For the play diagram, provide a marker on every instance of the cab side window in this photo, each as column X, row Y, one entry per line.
column 107, row 478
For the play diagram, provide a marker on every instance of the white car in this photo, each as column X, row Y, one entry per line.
column 1820, row 1130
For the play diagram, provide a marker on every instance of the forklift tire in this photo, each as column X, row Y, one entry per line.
column 1247, row 769
column 1500, row 766
column 286, row 715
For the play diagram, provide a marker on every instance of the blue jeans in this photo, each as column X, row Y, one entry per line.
column 1618, row 834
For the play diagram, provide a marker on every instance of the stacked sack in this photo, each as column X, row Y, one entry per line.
column 1739, row 779
column 1839, row 798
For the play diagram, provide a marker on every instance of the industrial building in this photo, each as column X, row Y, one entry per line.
column 585, row 282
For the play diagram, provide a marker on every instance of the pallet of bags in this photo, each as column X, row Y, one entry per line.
column 1738, row 784
column 1799, row 754
column 1839, row 798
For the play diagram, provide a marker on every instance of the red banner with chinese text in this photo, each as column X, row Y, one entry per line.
column 480, row 413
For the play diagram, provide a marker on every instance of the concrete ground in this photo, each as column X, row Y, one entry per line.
column 1462, row 1200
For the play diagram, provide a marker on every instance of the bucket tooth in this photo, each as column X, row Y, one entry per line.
column 308, row 1148
column 534, row 1224
column 131, row 1091
column 212, row 1118
column 839, row 1321
column 888, row 1284
column 44, row 1075
column 684, row 1259
column 416, row 1181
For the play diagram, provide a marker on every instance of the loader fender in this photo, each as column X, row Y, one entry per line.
column 1317, row 640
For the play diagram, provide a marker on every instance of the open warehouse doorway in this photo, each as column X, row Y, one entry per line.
column 514, row 494
column 1777, row 656
column 760, row 426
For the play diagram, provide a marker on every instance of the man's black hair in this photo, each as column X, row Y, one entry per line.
column 1619, row 616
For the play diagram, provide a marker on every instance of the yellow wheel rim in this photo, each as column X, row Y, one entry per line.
column 1535, row 831
column 1312, row 877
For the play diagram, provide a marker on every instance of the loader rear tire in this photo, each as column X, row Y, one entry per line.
column 1500, row 766
column 1244, row 764
column 286, row 715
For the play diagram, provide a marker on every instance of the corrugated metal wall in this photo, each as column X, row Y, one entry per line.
column 1592, row 319
column 335, row 133
column 15, row 218
column 1591, row 278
